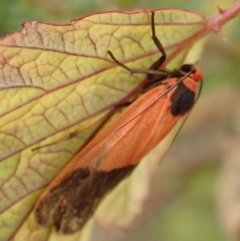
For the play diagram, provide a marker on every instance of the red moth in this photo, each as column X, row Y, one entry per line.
column 72, row 197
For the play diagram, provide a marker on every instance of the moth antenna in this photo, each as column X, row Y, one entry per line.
column 105, row 115
column 51, row 143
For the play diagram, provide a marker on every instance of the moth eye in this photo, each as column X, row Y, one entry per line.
column 186, row 68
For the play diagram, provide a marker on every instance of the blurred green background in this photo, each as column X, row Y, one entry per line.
column 196, row 192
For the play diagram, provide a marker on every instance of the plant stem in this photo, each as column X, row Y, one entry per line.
column 223, row 17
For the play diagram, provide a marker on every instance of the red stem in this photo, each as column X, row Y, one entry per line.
column 224, row 16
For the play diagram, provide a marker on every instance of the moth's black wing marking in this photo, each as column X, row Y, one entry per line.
column 73, row 201
column 182, row 100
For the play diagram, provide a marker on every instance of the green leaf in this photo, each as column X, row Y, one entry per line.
column 55, row 79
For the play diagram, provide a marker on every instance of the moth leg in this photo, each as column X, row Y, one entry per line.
column 154, row 69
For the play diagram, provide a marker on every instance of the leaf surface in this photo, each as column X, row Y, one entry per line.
column 55, row 79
